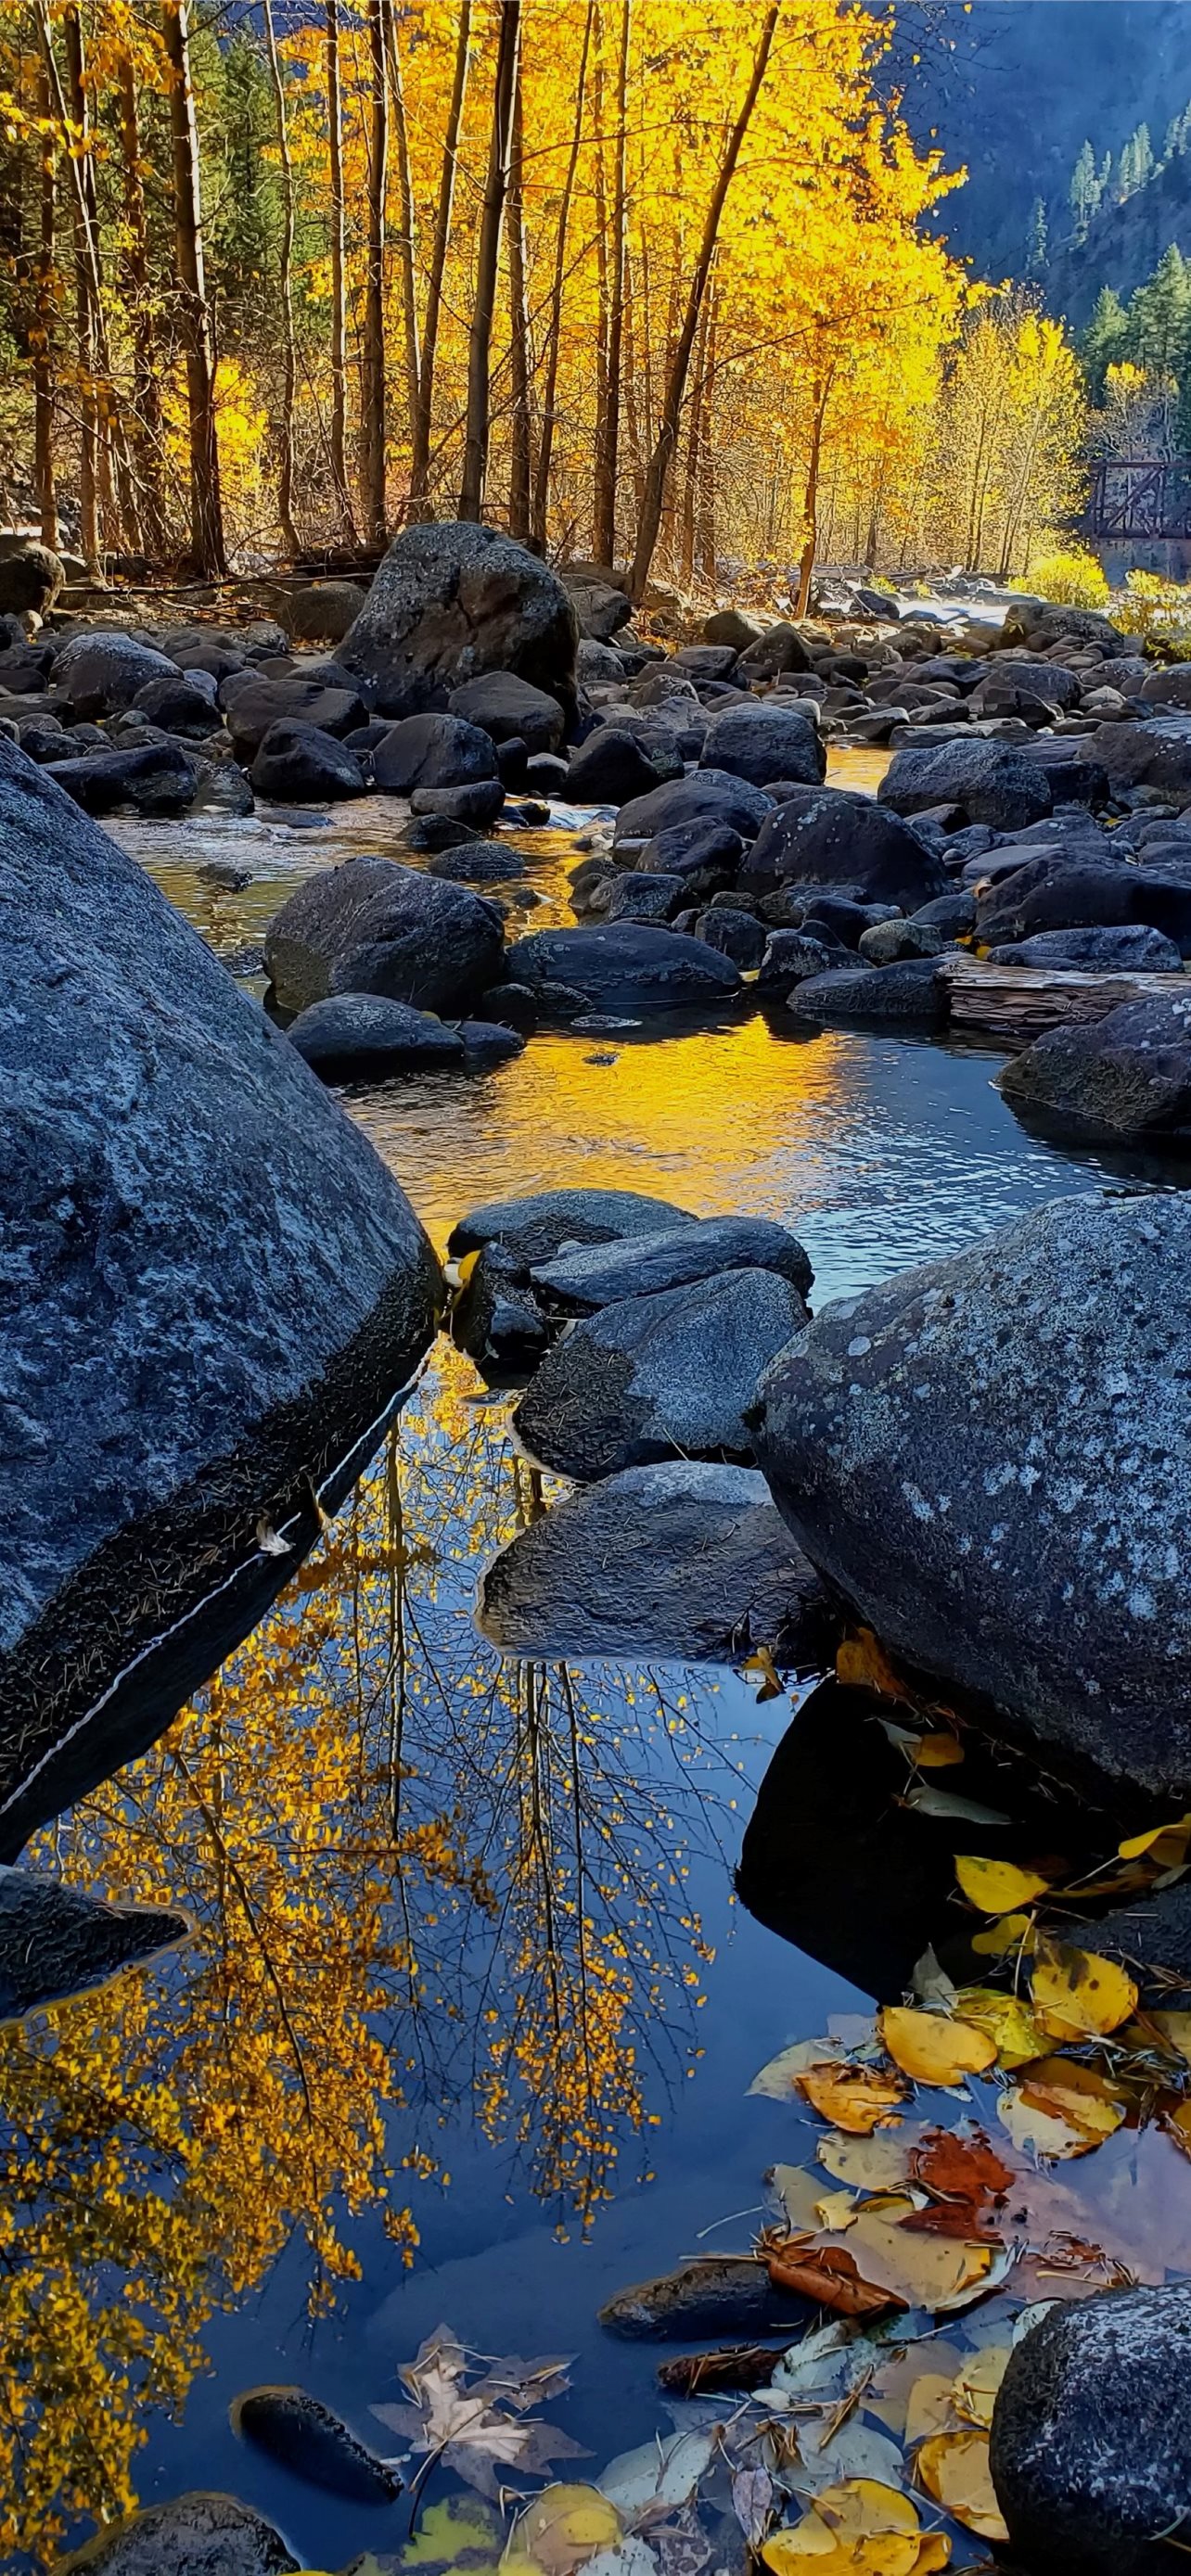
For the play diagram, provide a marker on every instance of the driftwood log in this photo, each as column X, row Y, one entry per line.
column 1013, row 1005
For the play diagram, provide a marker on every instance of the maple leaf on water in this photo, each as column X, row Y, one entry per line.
column 479, row 2424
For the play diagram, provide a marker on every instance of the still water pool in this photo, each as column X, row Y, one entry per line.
column 466, row 2027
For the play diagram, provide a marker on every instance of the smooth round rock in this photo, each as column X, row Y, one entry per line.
column 1091, row 2435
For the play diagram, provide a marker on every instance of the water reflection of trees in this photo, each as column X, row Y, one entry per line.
column 421, row 1880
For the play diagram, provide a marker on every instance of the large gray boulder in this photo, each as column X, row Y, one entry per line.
column 432, row 751
column 1128, row 1074
column 547, row 1222
column 1091, row 2435
column 1131, row 949
column 1156, row 753
column 991, row 1457
column 831, row 838
column 1053, row 893
column 372, row 926
column 214, row 1289
column 451, row 601
column 31, row 576
column 629, row 965
column 990, row 783
column 764, row 742
column 689, row 1560
column 600, row 1274
column 299, row 764
column 707, row 796
column 359, row 1033
column 98, row 673
column 252, row 703
column 659, row 1377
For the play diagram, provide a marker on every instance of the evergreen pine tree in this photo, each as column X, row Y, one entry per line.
column 1105, row 341
column 1083, row 194
column 1036, row 240
column 1160, row 316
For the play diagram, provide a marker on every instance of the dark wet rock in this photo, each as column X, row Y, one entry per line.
column 707, row 796
column 434, row 833
column 831, row 838
column 601, row 1274
column 479, row 863
column 547, row 1221
column 452, row 602
column 252, row 704
column 990, row 783
column 779, row 648
column 991, row 1457
column 227, row 876
column 1128, row 1074
column 222, row 788
column 839, row 917
column 98, row 674
column 512, row 760
column 180, row 705
column 698, row 851
column 545, row 772
column 792, row 956
column 432, row 751
column 610, row 768
column 313, row 2443
column 356, row 1032
column 57, row 1941
column 598, row 665
column 497, row 1319
column 686, row 1560
column 219, row 660
column 31, row 576
column 324, row 612
column 372, row 926
column 1156, row 754
column 889, row 943
column 626, row 966
column 507, row 708
column 1053, row 893
column 215, row 1289
column 1075, row 779
column 706, row 661
column 299, row 764
column 160, row 780
column 476, row 801
column 737, row 935
column 642, row 896
column 486, row 1044
column 533, row 1006
column 659, row 1376
column 601, row 605
column 915, row 989
column 1091, row 2436
column 953, row 914
column 194, row 2535
column 718, row 2295
column 761, row 743
column 1132, row 949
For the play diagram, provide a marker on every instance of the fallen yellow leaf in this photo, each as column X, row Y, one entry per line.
column 997, row 1886
column 877, row 2163
column 1179, row 2124
column 1175, row 2027
column 799, row 2193
column 975, row 2391
column 928, row 2407
column 1061, row 2108
column 564, row 2526
column 1080, row 1996
column 937, row 1752
column 1008, row 2020
column 923, row 2270
column 934, row 2553
column 855, row 2098
column 954, row 2469
column 761, row 1662
column 1004, row 1935
column 1176, row 1835
column 932, row 2048
column 862, row 1661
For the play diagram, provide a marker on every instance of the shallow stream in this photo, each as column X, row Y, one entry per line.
column 466, row 2028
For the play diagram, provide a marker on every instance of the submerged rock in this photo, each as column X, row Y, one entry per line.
column 194, row 2535
column 1091, row 2435
column 313, row 2442
column 672, row 1258
column 1128, row 1074
column 547, row 1221
column 659, row 1377
column 371, row 926
column 991, row 1457
column 57, row 1941
column 215, row 1289
column 688, row 1560
column 452, row 601
column 721, row 2294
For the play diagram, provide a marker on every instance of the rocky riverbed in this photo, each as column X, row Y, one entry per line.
column 662, row 1063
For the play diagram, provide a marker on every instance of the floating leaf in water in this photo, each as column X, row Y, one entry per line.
column 933, row 2048
column 778, row 2079
column 942, row 2273
column 761, row 1661
column 658, row 2477
column 800, row 2193
column 862, row 1662
column 928, row 2407
column 1004, row 1935
column 926, row 1801
column 565, row 2526
column 1164, row 1844
column 976, row 2385
column 960, row 2167
column 1179, row 2124
column 858, row 2525
column 752, row 2502
column 953, row 2468
column 879, row 2163
column 855, row 2098
column 479, row 2427
column 1060, row 2108
column 1175, row 2028
column 997, row 1886
column 828, row 2274
column 1008, row 2021
column 1078, row 1995
column 932, row 1985
column 938, row 1752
